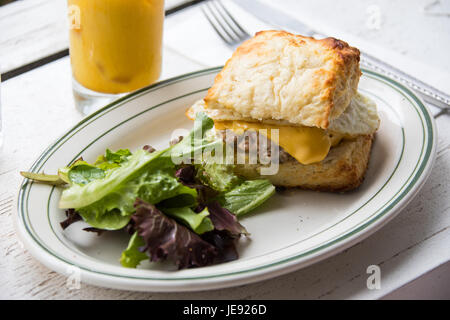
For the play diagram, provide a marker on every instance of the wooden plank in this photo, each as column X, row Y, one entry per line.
column 32, row 30
column 431, row 286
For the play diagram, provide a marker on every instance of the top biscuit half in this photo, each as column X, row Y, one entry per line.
column 280, row 76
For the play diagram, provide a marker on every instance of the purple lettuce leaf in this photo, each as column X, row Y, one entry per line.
column 96, row 230
column 224, row 220
column 225, row 244
column 165, row 239
column 186, row 175
column 72, row 216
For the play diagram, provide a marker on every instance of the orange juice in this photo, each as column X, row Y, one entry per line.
column 115, row 45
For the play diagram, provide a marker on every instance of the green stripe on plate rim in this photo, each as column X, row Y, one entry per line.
column 423, row 159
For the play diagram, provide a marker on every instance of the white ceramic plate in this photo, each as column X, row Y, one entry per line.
column 288, row 232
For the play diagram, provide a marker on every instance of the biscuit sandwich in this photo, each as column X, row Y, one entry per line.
column 305, row 88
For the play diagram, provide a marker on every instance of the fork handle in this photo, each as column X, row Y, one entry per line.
column 427, row 92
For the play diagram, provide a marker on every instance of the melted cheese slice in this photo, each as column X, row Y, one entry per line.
column 306, row 144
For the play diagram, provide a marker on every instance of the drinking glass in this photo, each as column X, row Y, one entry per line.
column 115, row 48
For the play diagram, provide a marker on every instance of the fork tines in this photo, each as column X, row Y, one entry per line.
column 223, row 22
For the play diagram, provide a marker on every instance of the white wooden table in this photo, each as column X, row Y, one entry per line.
column 412, row 250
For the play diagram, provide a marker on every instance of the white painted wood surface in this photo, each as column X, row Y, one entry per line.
column 38, row 107
column 31, row 30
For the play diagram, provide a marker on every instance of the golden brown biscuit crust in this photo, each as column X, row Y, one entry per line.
column 277, row 75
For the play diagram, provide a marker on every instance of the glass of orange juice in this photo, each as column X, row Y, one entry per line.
column 115, row 48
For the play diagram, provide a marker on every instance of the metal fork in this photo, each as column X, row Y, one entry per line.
column 231, row 32
column 228, row 29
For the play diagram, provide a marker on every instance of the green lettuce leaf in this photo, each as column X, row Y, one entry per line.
column 51, row 179
column 199, row 140
column 79, row 196
column 180, row 201
column 83, row 173
column 107, row 203
column 114, row 219
column 131, row 256
column 197, row 222
column 63, row 174
column 117, row 157
column 111, row 159
column 247, row 196
column 219, row 177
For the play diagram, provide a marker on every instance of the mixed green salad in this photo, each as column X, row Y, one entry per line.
column 181, row 211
